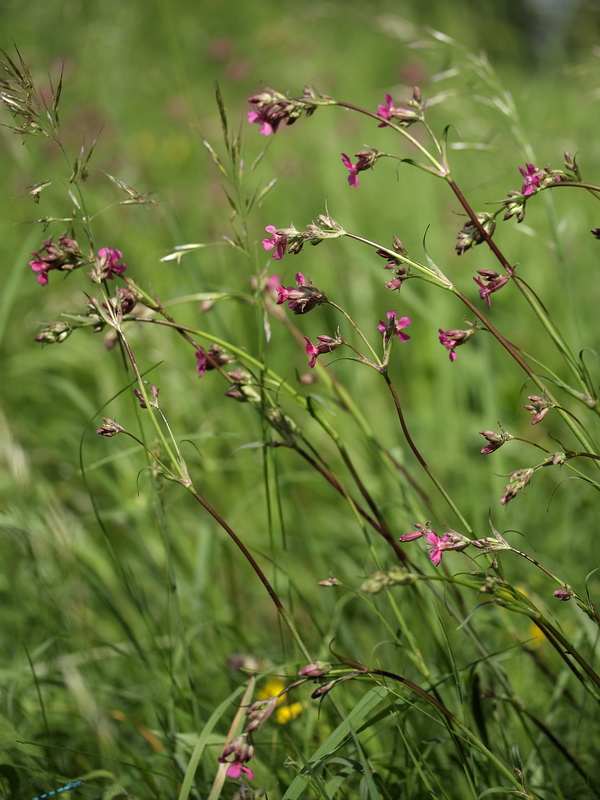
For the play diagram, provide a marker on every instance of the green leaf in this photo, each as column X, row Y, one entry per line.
column 354, row 720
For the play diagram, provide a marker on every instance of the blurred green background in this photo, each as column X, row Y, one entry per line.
column 141, row 77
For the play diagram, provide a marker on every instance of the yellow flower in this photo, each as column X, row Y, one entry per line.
column 272, row 688
column 287, row 712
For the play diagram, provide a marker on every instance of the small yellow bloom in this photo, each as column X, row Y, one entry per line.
column 272, row 688
column 285, row 713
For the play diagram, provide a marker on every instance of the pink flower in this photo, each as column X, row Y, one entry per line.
column 41, row 267
column 301, row 298
column 494, row 282
column 366, row 160
column 262, row 116
column 393, row 327
column 237, row 768
column 64, row 256
column 326, row 344
column 448, row 343
column 211, row 359
column 437, row 546
column 279, row 242
column 531, row 179
column 402, row 115
column 453, row 339
column 241, row 751
column 385, row 111
column 352, row 169
column 109, row 267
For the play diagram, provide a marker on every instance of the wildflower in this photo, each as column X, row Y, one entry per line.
column 242, row 751
column 302, row 298
column 271, row 108
column 531, row 176
column 64, row 256
column 403, row 115
column 326, row 344
column 352, row 169
column 470, row 235
column 209, row 359
column 236, row 768
column 518, row 480
column 437, row 546
column 494, row 282
column 108, row 265
column 454, row 338
column 366, row 160
column 494, row 440
column 394, row 327
column 451, row 540
column 41, row 267
column 538, row 406
column 288, row 712
column 279, row 242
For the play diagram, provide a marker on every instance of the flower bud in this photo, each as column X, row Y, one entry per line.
column 518, row 480
column 315, row 670
column 55, row 333
column 110, row 428
column 469, row 235
column 563, row 594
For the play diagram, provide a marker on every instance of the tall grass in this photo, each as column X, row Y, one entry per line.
column 136, row 634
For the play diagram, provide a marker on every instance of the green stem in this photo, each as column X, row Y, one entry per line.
column 529, row 296
column 258, row 571
column 420, row 458
column 438, row 167
column 575, row 427
column 456, row 722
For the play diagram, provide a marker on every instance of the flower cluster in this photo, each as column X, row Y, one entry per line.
column 55, row 333
column 454, row 338
column 236, row 754
column 401, row 270
column 365, row 160
column 209, row 359
column 291, row 240
column 539, row 407
column 64, row 256
column 403, row 115
column 470, row 235
column 450, row 540
column 107, row 265
column 301, row 298
column 493, row 283
column 325, row 344
column 271, row 108
column 494, row 440
column 518, row 480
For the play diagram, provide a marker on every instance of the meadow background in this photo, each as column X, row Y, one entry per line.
column 122, row 604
